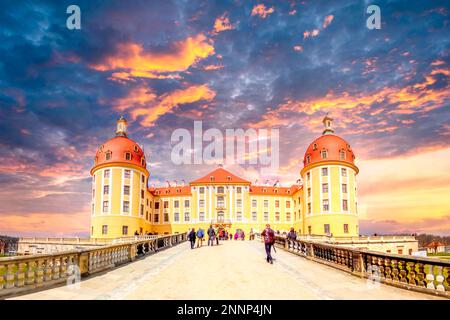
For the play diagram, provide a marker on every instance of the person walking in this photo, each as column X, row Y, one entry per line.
column 242, row 235
column 231, row 235
column 191, row 237
column 236, row 235
column 269, row 239
column 211, row 234
column 292, row 235
column 200, row 235
column 216, row 235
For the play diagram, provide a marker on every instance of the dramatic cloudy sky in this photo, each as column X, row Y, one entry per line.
column 232, row 64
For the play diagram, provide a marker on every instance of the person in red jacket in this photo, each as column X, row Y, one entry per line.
column 269, row 239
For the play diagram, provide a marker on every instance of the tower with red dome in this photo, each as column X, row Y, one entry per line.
column 329, row 186
column 119, row 194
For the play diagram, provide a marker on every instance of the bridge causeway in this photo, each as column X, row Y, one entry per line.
column 232, row 270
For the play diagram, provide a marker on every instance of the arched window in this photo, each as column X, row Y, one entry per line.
column 108, row 155
column 324, row 154
column 342, row 154
column 314, row 146
column 127, row 156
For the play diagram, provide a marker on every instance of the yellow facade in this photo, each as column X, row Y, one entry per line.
column 123, row 205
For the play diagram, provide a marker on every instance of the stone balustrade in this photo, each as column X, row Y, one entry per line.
column 409, row 272
column 21, row 274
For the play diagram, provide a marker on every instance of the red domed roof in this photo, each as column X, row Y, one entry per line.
column 333, row 145
column 120, row 149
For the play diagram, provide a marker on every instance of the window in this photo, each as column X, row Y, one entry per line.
column 127, row 174
column 254, row 216
column 325, row 187
column 345, row 228
column 308, row 176
column 166, row 217
column 266, row 216
column 309, row 207
column 136, row 148
column 176, row 204
column 166, row 204
column 106, row 174
column 239, row 216
column 186, row 203
column 288, row 216
column 143, row 179
column 202, row 190
column 176, row 217
column 126, row 206
column 141, row 213
column 277, row 203
column 92, row 231
column 345, row 205
column 228, row 178
column 254, row 203
column 201, row 203
column 105, row 206
column 324, row 172
column 410, row 251
column 150, row 217
column 344, row 188
column 309, row 192
column 108, row 155
column 220, row 201
column 308, row 159
column 324, row 154
column 146, row 215
column 314, row 146
column 106, row 189
column 142, row 193
column 104, row 229
column 220, row 190
column 128, row 156
column 326, row 228
column 342, row 155
column 288, row 204
column 143, row 161
column 239, row 203
column 186, row 216
column 325, row 205
column 212, row 178
column 400, row 251
column 157, row 205
column 124, row 230
column 266, row 203
column 156, row 218
column 201, row 216
column 344, row 172
column 277, row 216
column 126, row 190
column 238, row 189
column 309, row 229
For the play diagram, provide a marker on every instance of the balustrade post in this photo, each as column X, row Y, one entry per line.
column 30, row 273
column 83, row 262
column 21, row 269
column 10, row 275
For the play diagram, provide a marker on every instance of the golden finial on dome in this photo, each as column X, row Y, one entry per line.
column 327, row 124
column 121, row 130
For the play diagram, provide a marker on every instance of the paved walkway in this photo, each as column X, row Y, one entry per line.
column 233, row 270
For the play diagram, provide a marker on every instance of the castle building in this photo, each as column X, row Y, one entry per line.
column 324, row 204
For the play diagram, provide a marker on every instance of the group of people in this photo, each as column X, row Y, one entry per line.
column 214, row 235
column 267, row 235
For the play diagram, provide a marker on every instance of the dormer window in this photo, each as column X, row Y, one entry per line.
column 143, row 161
column 264, row 190
column 100, row 149
column 314, row 146
column 342, row 154
column 308, row 159
column 211, row 178
column 276, row 190
column 136, row 148
column 108, row 155
column 127, row 156
column 229, row 178
column 324, row 154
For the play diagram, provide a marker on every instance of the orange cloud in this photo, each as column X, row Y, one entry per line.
column 168, row 102
column 312, row 33
column 132, row 60
column 327, row 21
column 420, row 97
column 223, row 23
column 213, row 67
column 139, row 96
column 262, row 11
